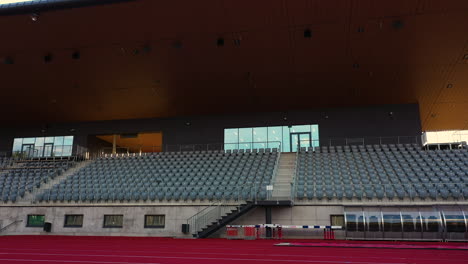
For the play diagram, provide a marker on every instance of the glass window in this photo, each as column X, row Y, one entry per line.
column 408, row 223
column 42, row 147
column 303, row 128
column 58, row 150
column 58, row 140
column 67, row 151
column 269, row 137
column 286, row 140
column 73, row 221
column 35, row 221
column 245, row 138
column 337, row 220
column 315, row 136
column 432, row 224
column 455, row 223
column 360, row 223
column 231, row 138
column 29, row 140
column 113, row 221
column 351, row 224
column 154, row 221
column 260, row 135
column 39, row 142
column 374, row 223
column 392, row 223
column 17, row 144
column 275, row 135
column 68, row 141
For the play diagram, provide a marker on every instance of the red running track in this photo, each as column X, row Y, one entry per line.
column 132, row 250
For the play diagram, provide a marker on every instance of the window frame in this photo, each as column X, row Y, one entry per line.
column 343, row 226
column 107, row 226
column 73, row 226
column 28, row 224
column 155, row 226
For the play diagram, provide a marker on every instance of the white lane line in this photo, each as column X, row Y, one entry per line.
column 76, row 261
column 231, row 254
column 199, row 258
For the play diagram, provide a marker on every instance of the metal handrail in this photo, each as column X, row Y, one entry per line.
column 10, row 224
column 411, row 193
column 208, row 216
column 273, row 177
column 293, row 183
column 371, row 140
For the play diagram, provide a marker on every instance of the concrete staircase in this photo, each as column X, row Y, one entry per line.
column 29, row 196
column 284, row 177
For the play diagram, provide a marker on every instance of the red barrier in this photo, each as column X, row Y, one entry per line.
column 328, row 234
column 249, row 232
column 231, row 232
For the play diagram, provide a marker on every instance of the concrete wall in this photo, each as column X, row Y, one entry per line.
column 133, row 224
column 296, row 215
column 371, row 121
column 133, row 220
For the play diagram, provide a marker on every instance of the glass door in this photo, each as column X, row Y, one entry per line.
column 48, row 147
column 299, row 140
column 28, row 150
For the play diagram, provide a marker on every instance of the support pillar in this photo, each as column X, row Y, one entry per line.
column 114, row 144
column 268, row 221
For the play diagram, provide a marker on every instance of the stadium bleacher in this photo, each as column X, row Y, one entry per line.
column 25, row 176
column 171, row 176
column 381, row 171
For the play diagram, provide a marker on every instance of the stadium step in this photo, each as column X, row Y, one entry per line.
column 284, row 176
column 224, row 220
column 30, row 197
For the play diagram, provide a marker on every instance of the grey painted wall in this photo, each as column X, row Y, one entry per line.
column 133, row 224
column 333, row 123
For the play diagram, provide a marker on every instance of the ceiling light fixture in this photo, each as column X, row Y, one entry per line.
column 220, row 42
column 8, row 60
column 397, row 24
column 177, row 44
column 34, row 17
column 76, row 55
column 48, row 58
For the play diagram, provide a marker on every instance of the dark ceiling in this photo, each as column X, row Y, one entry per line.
column 149, row 58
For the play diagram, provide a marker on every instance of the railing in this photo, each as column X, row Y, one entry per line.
column 273, row 177
column 252, row 146
column 396, row 191
column 208, row 216
column 293, row 183
column 372, row 140
column 10, row 224
column 226, row 193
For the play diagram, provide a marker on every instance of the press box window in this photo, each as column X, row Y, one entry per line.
column 73, row 221
column 113, row 221
column 35, row 221
column 154, row 221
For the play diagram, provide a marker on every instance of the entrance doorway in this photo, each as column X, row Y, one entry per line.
column 298, row 140
column 28, row 150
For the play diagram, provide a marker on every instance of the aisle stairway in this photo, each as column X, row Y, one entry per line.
column 284, row 177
